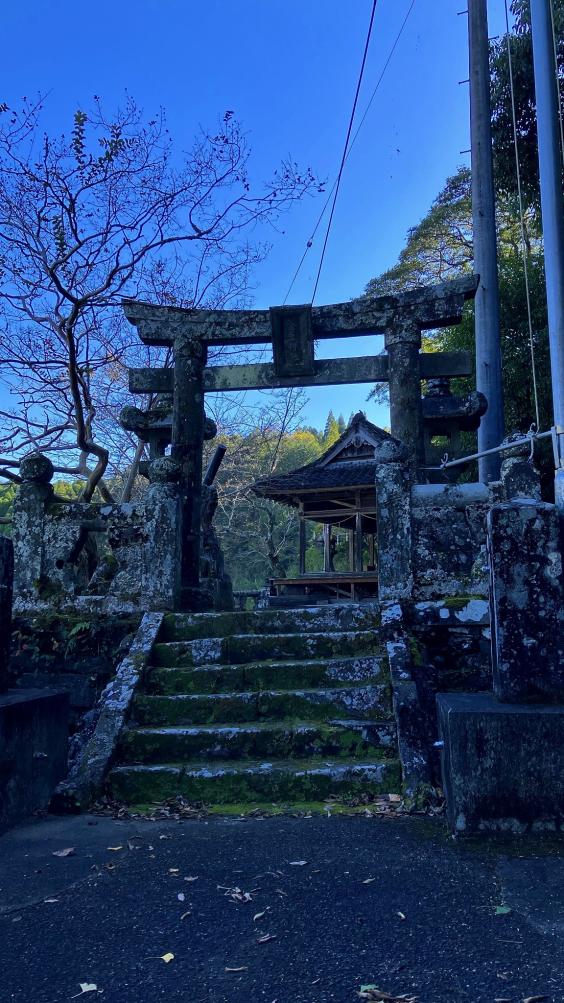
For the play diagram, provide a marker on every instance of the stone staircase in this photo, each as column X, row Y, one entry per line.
column 262, row 707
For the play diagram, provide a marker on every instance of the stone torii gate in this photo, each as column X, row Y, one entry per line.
column 292, row 331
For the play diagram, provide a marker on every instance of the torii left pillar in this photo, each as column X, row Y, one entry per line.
column 188, row 421
column 403, row 343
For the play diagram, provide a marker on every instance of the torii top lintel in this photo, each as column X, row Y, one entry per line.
column 425, row 307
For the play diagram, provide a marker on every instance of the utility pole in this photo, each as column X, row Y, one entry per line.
column 550, row 165
column 488, row 347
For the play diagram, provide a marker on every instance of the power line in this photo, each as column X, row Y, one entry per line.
column 309, row 243
column 524, row 249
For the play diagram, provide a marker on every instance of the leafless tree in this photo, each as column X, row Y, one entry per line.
column 89, row 217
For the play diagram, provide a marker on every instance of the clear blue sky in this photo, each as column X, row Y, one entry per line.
column 288, row 69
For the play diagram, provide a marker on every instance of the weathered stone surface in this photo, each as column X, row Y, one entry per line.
column 75, row 650
column 526, row 601
column 520, row 479
column 216, row 719
column 503, row 764
column 94, row 759
column 37, row 468
column 6, row 587
column 33, row 750
column 395, row 577
column 449, row 539
column 430, row 306
column 326, row 372
column 251, row 780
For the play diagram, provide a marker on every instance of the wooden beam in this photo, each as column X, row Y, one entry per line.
column 427, row 307
column 327, row 372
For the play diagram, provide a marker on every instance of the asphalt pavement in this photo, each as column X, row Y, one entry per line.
column 276, row 910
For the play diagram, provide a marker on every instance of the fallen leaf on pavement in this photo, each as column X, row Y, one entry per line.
column 266, row 938
column 502, row 910
column 190, row 878
column 402, row 915
column 167, row 957
column 243, row 968
column 181, row 897
column 534, row 999
column 174, row 870
column 86, row 987
column 298, row 863
column 185, row 914
column 51, row 900
column 368, row 881
column 259, row 915
column 371, row 992
column 114, row 848
column 64, row 853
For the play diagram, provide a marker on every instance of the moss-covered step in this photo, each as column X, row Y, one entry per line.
column 183, row 626
column 272, row 675
column 240, row 648
column 280, row 739
column 225, row 708
column 225, row 782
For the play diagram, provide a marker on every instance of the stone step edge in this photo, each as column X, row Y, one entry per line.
column 274, row 663
column 279, row 634
column 221, row 768
column 258, row 726
column 355, row 684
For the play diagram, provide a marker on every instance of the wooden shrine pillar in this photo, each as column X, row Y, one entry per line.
column 406, row 417
column 188, row 425
column 372, row 551
column 327, row 546
column 358, row 542
column 302, row 538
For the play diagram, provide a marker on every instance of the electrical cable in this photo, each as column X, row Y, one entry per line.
column 389, row 58
column 346, row 146
column 524, row 249
column 560, row 116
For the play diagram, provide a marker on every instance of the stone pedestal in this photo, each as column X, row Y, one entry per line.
column 33, row 750
column 502, row 764
column 503, row 753
column 526, row 599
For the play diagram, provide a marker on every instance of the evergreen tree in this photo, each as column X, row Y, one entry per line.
column 332, row 432
column 341, row 423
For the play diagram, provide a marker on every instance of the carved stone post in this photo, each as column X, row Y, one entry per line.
column 188, row 424
column 402, row 345
column 35, row 492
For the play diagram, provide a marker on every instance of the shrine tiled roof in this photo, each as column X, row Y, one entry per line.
column 349, row 463
column 356, row 473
